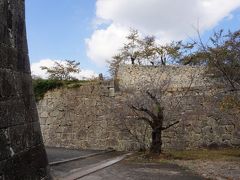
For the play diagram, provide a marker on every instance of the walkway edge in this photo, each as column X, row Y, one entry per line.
column 81, row 172
column 79, row 157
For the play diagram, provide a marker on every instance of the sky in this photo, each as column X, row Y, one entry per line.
column 92, row 31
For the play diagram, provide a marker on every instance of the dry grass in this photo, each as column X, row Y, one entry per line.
column 200, row 154
column 205, row 154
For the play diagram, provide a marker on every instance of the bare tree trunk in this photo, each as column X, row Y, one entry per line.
column 156, row 145
column 133, row 60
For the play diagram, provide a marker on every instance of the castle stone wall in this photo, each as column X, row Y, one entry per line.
column 83, row 118
column 22, row 153
column 89, row 118
column 178, row 77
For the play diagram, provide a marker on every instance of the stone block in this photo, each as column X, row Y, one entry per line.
column 226, row 137
column 5, row 151
column 31, row 112
column 4, row 119
column 6, row 23
column 235, row 142
column 24, row 84
column 24, row 137
column 12, row 113
column 25, row 166
column 229, row 129
column 36, row 134
column 237, row 133
column 8, row 57
column 19, row 138
column 7, row 85
column 16, row 112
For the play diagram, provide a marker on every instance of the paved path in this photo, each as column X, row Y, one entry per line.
column 61, row 171
column 59, row 154
column 97, row 167
column 87, row 170
column 133, row 171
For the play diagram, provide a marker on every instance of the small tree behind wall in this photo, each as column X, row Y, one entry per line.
column 221, row 55
column 62, row 70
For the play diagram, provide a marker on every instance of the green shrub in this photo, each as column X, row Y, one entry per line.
column 41, row 86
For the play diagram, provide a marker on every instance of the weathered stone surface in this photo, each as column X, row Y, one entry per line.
column 134, row 76
column 30, row 164
column 79, row 118
column 22, row 154
column 5, row 152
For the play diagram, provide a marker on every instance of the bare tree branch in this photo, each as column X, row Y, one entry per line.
column 170, row 125
column 150, row 113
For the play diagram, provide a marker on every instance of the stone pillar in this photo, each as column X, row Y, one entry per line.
column 22, row 153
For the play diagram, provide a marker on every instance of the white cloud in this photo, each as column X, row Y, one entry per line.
column 166, row 19
column 37, row 71
column 86, row 74
column 104, row 43
column 230, row 17
column 36, row 67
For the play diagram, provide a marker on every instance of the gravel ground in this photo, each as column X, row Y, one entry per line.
column 215, row 170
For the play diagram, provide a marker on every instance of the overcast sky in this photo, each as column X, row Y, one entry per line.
column 91, row 31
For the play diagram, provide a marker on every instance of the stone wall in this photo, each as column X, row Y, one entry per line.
column 204, row 121
column 22, row 153
column 82, row 118
column 89, row 118
column 135, row 76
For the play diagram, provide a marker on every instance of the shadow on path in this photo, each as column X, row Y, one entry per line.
column 59, row 154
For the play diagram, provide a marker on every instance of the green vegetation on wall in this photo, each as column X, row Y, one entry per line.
column 41, row 86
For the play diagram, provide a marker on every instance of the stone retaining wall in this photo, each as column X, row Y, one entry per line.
column 88, row 117
column 135, row 76
column 81, row 118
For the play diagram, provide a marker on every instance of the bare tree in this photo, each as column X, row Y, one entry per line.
column 221, row 55
column 114, row 64
column 62, row 71
column 172, row 52
column 130, row 51
column 151, row 104
column 146, row 51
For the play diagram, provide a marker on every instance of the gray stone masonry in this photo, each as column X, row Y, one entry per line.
column 22, row 153
column 89, row 117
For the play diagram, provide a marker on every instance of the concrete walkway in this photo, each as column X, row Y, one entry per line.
column 60, row 154
column 76, row 168
column 134, row 171
column 111, row 166
column 90, row 169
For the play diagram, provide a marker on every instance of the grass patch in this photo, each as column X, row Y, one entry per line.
column 42, row 86
column 206, row 154
column 200, row 154
column 141, row 157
